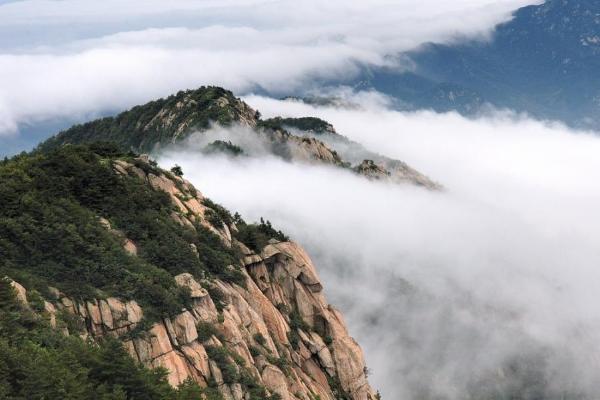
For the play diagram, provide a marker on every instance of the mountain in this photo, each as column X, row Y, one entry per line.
column 122, row 281
column 545, row 62
column 188, row 116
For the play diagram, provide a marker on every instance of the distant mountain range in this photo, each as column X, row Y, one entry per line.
column 545, row 62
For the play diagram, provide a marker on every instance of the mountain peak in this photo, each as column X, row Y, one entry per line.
column 161, row 122
column 165, row 122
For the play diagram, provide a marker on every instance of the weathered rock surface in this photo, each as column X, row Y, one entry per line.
column 279, row 328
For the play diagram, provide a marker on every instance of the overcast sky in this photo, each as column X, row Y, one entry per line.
column 68, row 60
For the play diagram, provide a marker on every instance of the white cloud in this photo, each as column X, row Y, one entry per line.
column 72, row 57
column 504, row 262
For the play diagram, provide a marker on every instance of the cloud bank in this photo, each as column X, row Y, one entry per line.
column 489, row 287
column 73, row 57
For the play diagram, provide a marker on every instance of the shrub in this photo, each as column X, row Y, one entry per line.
column 260, row 339
column 296, row 321
column 217, row 296
column 282, row 308
column 281, row 363
column 220, row 146
column 214, row 219
column 206, row 330
column 294, row 339
column 221, row 356
column 254, row 351
column 177, row 171
column 257, row 236
column 336, row 388
column 221, row 212
column 39, row 362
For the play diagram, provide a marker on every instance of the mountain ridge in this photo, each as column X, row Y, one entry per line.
column 544, row 62
column 229, row 310
column 171, row 121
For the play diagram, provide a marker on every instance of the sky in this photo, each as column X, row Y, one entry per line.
column 66, row 61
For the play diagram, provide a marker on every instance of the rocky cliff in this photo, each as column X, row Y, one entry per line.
column 270, row 329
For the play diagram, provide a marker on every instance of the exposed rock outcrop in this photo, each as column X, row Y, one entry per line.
column 277, row 329
column 367, row 163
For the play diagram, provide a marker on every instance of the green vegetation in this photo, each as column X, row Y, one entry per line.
column 219, row 215
column 307, row 124
column 140, row 129
column 220, row 146
column 177, row 171
column 217, row 296
column 255, row 390
column 233, row 369
column 296, row 323
column 257, row 236
column 336, row 388
column 220, row 355
column 39, row 363
column 260, row 339
column 50, row 232
column 53, row 233
column 281, row 363
column 294, row 339
column 206, row 330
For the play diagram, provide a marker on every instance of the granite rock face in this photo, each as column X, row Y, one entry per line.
column 179, row 120
column 278, row 328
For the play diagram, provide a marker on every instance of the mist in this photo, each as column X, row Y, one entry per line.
column 73, row 58
column 485, row 288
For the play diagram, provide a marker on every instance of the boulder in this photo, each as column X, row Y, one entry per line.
column 159, row 340
column 51, row 311
column 21, row 292
column 275, row 381
column 130, row 247
column 184, row 326
column 187, row 280
column 106, row 314
column 93, row 312
column 197, row 358
column 134, row 312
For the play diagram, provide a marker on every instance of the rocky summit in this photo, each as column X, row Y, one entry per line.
column 130, row 254
column 166, row 123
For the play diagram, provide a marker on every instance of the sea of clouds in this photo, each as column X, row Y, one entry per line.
column 77, row 58
column 489, row 285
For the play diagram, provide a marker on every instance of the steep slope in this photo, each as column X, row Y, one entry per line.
column 367, row 163
column 172, row 121
column 162, row 122
column 544, row 61
column 101, row 245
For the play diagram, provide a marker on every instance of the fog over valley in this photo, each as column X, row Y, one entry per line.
column 491, row 280
column 300, row 200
